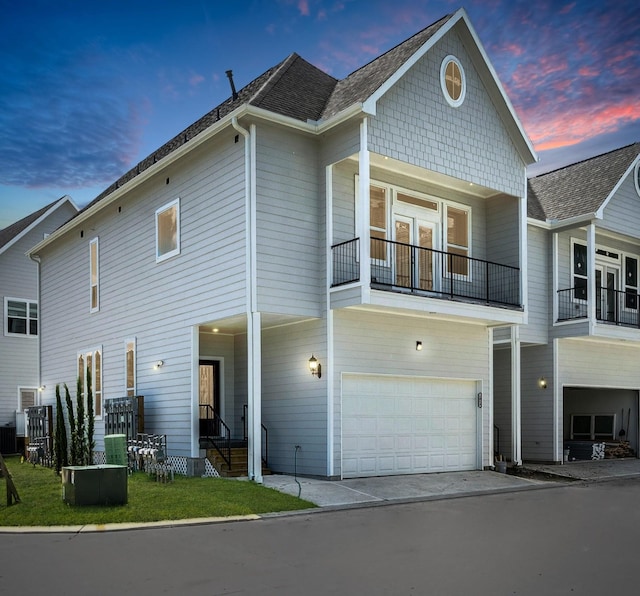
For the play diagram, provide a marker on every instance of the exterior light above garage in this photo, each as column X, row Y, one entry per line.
column 419, row 346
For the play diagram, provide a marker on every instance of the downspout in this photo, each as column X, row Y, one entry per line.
column 37, row 261
column 254, row 371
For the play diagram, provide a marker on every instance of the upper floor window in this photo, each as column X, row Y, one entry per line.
column 94, row 276
column 579, row 271
column 378, row 221
column 636, row 177
column 452, row 81
column 458, row 233
column 20, row 317
column 168, row 231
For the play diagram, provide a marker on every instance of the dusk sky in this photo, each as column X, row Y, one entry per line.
column 90, row 87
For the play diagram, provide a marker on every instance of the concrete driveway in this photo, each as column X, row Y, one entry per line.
column 422, row 487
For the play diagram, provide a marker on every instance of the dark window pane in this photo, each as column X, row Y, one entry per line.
column 579, row 259
column 17, row 325
column 631, row 272
column 580, row 288
column 33, row 327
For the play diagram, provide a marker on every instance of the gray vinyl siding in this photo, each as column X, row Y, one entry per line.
column 290, row 215
column 344, row 202
column 536, row 403
column 502, row 231
column 539, row 287
column 502, row 400
column 385, row 344
column 415, row 124
column 622, row 213
column 294, row 403
column 339, row 143
column 19, row 279
column 158, row 303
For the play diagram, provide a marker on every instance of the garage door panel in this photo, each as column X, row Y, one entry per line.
column 396, row 425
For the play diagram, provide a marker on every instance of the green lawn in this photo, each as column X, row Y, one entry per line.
column 41, row 503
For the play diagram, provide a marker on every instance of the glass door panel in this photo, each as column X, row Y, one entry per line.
column 425, row 256
column 403, row 236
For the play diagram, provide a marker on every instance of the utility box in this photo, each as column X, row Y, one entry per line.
column 95, row 485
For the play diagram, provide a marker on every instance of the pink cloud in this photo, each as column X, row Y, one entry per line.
column 564, row 129
column 588, row 71
column 195, row 79
column 303, row 7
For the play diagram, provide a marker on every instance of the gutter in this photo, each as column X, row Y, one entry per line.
column 36, row 260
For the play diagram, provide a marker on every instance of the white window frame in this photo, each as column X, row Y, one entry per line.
column 572, row 274
column 455, row 103
column 592, row 432
column 36, row 399
column 636, row 177
column 175, row 204
column 28, row 319
column 130, row 390
column 445, row 237
column 94, row 276
column 625, row 286
column 97, row 412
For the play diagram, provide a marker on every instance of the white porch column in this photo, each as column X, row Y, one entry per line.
column 363, row 223
column 254, row 406
column 591, row 273
column 555, row 286
column 516, row 430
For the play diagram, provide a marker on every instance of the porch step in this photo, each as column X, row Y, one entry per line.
column 238, row 463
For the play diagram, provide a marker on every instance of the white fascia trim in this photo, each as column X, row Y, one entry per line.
column 310, row 126
column 600, row 212
column 38, row 221
column 194, row 142
column 586, row 219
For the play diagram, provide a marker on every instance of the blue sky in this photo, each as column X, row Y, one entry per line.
column 88, row 88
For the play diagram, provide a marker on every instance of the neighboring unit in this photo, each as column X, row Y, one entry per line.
column 19, row 362
column 317, row 265
column 581, row 348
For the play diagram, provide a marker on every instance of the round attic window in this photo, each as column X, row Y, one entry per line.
column 452, row 81
column 636, row 178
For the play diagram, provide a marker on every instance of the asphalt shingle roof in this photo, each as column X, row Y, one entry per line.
column 11, row 231
column 297, row 89
column 580, row 188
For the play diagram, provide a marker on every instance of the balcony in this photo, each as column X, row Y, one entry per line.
column 616, row 307
column 410, row 269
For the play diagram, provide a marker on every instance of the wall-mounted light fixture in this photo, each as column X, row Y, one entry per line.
column 315, row 367
column 419, row 346
column 158, row 364
column 542, row 383
column 42, row 388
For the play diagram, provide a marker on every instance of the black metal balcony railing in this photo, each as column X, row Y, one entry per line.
column 407, row 268
column 612, row 306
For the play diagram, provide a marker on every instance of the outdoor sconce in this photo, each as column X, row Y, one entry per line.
column 542, row 383
column 158, row 364
column 315, row 367
column 42, row 388
column 419, row 346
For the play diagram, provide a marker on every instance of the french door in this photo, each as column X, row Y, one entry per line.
column 606, row 292
column 414, row 257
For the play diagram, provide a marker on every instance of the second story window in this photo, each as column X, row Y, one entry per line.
column 168, row 231
column 579, row 271
column 20, row 317
column 94, row 275
column 90, row 364
column 378, row 221
column 458, row 239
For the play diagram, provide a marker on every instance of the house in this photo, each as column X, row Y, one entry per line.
column 19, row 362
column 580, row 350
column 316, row 264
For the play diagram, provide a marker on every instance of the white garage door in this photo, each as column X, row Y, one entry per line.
column 407, row 425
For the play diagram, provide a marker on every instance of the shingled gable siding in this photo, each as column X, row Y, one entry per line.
column 385, row 344
column 19, row 279
column 155, row 302
column 290, row 215
column 414, row 123
column 622, row 213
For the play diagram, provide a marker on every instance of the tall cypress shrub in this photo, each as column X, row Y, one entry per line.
column 90, row 443
column 61, row 454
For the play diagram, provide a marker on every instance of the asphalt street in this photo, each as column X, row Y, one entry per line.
column 579, row 538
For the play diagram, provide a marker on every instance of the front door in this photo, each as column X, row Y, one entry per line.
column 209, row 389
column 606, row 286
column 413, row 260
